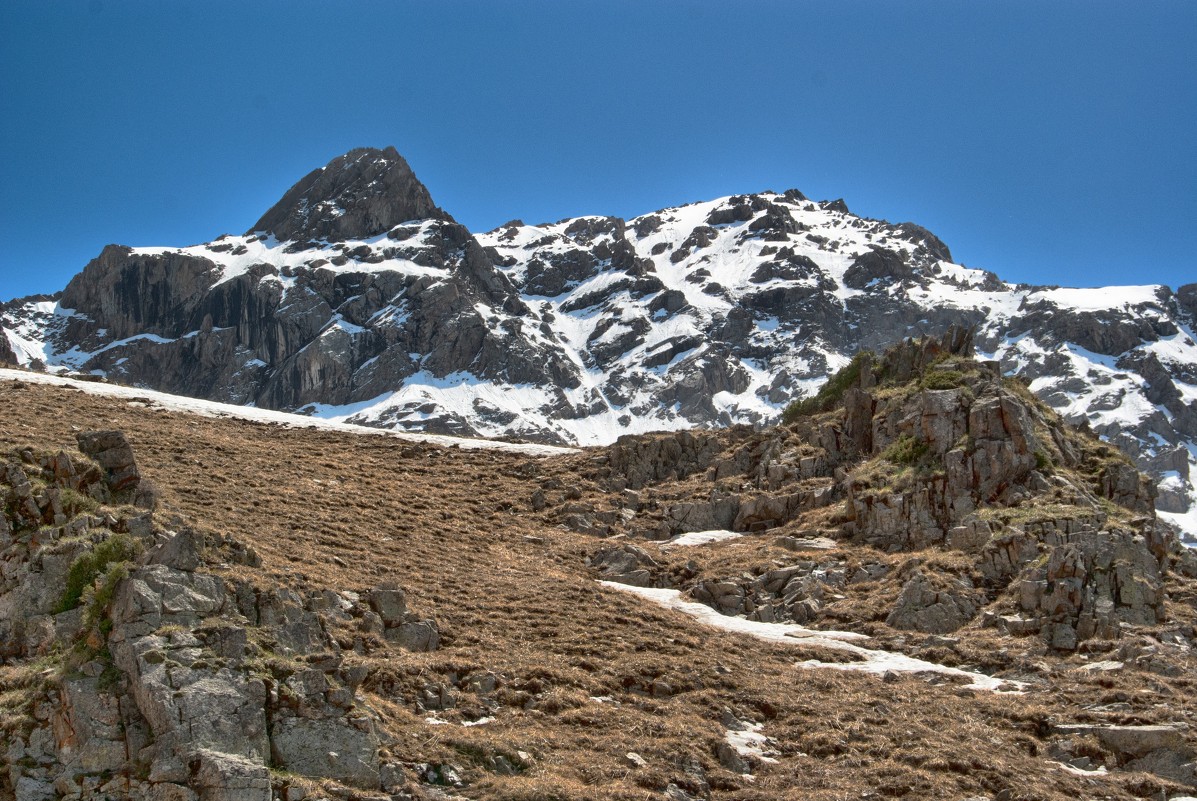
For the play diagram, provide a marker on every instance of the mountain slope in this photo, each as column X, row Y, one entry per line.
column 274, row 612
column 356, row 298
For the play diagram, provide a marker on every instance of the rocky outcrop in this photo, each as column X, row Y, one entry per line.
column 364, row 193
column 167, row 680
column 796, row 592
column 627, row 564
column 8, row 357
column 923, row 606
column 636, row 461
column 921, row 449
column 1090, row 584
column 1159, row 749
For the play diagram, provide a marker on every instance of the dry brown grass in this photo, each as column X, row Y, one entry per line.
column 510, row 592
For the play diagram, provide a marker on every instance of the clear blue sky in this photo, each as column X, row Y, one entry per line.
column 1051, row 142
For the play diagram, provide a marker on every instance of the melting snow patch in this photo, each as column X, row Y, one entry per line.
column 703, row 537
column 435, row 721
column 1101, row 771
column 871, row 661
column 749, row 742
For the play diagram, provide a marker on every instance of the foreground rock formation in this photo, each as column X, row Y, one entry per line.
column 356, row 296
column 149, row 675
column 218, row 608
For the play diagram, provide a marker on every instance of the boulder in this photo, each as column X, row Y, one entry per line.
column 625, row 564
column 345, row 750
column 111, row 450
column 923, row 606
column 227, row 777
column 418, row 635
column 389, row 601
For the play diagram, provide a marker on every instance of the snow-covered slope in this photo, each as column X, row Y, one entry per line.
column 205, row 408
column 341, row 304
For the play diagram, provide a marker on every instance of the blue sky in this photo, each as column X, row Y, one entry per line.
column 1051, row 142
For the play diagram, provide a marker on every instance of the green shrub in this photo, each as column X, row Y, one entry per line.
column 87, row 567
column 75, row 502
column 830, row 393
column 942, row 379
column 905, row 450
column 99, row 595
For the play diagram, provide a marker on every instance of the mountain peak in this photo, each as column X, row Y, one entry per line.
column 361, row 194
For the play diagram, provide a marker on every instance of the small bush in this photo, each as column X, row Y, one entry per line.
column 943, row 379
column 830, row 393
column 75, row 502
column 98, row 596
column 88, row 567
column 905, row 450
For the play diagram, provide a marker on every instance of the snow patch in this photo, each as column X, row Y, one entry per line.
column 871, row 661
column 749, row 742
column 703, row 537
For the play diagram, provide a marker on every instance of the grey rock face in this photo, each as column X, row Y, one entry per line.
column 362, row 194
column 176, row 702
column 923, row 607
column 337, row 749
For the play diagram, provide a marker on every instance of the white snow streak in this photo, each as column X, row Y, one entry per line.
column 871, row 661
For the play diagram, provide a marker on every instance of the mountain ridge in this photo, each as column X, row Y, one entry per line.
column 578, row 331
column 926, row 584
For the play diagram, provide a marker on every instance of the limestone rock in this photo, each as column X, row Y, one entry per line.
column 112, row 452
column 924, row 607
column 337, row 749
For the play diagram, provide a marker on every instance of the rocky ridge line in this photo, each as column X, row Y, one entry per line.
column 356, row 296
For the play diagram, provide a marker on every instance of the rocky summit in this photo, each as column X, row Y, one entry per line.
column 355, row 297
column 922, row 583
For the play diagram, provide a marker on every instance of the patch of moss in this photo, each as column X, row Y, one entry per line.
column 942, row 379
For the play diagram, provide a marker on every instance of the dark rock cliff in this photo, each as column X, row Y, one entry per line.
column 356, row 291
column 362, row 194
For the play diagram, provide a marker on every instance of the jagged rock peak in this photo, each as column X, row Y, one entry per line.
column 361, row 194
